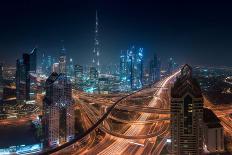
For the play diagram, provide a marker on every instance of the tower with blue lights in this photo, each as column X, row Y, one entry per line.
column 131, row 69
column 70, row 68
column 172, row 65
column 47, row 64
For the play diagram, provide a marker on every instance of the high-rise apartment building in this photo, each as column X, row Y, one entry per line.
column 186, row 115
column 58, row 111
column 25, row 72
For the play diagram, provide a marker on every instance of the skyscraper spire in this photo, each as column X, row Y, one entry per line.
column 96, row 50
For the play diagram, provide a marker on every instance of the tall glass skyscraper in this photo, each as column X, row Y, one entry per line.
column 25, row 76
column 63, row 61
column 70, row 68
column 154, row 69
column 172, row 65
column 58, row 111
column 131, row 69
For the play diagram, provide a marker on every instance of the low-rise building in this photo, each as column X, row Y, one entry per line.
column 213, row 132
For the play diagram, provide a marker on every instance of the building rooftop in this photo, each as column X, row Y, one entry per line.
column 210, row 117
column 214, row 125
column 186, row 83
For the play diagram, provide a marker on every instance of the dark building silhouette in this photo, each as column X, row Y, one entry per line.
column 213, row 132
column 25, row 70
column 154, row 70
column 186, row 115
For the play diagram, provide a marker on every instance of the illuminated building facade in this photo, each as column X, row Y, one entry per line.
column 58, row 111
column 154, row 69
column 104, row 85
column 70, row 68
column 78, row 75
column 93, row 79
column 55, row 67
column 62, row 61
column 43, row 63
column 47, row 64
column 25, row 73
column 172, row 65
column 131, row 69
column 96, row 50
column 186, row 115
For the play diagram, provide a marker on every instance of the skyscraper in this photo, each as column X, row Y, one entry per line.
column 58, row 110
column 25, row 71
column 43, row 64
column 62, row 61
column 172, row 65
column 70, row 68
column 48, row 65
column 55, row 67
column 154, row 70
column 186, row 115
column 96, row 49
column 93, row 78
column 123, row 71
column 131, row 69
column 78, row 73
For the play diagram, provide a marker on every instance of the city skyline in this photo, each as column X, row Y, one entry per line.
column 115, row 77
column 197, row 33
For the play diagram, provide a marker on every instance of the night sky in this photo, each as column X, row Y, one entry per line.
column 199, row 33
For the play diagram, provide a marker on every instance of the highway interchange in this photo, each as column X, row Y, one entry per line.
column 138, row 138
column 145, row 133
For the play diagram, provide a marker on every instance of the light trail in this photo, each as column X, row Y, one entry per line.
column 121, row 144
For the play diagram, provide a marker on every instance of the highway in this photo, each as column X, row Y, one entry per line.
column 72, row 144
column 118, row 145
column 223, row 112
column 147, row 133
column 122, row 143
